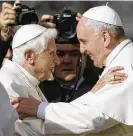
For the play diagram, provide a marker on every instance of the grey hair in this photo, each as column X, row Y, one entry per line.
column 38, row 44
column 118, row 31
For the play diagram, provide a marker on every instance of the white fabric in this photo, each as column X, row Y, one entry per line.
column 26, row 33
column 42, row 106
column 18, row 82
column 41, row 110
column 8, row 114
column 118, row 97
column 103, row 14
column 109, row 111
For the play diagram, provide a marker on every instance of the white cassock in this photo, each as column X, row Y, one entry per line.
column 109, row 112
column 8, row 114
column 18, row 82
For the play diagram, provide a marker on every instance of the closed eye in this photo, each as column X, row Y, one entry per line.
column 82, row 41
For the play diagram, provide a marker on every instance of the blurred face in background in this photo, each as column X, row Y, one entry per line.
column 68, row 56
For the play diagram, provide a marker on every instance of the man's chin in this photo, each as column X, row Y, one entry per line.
column 70, row 78
column 96, row 64
column 66, row 81
column 47, row 78
column 51, row 77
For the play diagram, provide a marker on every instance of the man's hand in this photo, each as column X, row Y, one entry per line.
column 26, row 107
column 45, row 23
column 118, row 77
column 78, row 17
column 7, row 17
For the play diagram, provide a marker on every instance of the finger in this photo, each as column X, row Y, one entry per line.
column 79, row 15
column 17, row 1
column 17, row 4
column 9, row 11
column 22, row 108
column 45, row 17
column 48, row 24
column 16, row 105
column 6, row 5
column 7, row 22
column 118, row 68
column 13, row 100
column 19, row 111
column 22, row 116
column 120, row 74
column 116, row 82
column 9, row 17
column 77, row 18
column 17, row 100
column 120, row 78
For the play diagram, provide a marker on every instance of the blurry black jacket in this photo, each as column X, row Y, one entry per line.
column 54, row 92
column 4, row 45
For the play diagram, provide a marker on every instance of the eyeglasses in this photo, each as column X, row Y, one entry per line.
column 61, row 53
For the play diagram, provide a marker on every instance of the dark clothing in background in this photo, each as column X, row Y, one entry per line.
column 55, row 93
column 4, row 45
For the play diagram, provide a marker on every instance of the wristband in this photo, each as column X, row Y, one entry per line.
column 5, row 35
column 8, row 30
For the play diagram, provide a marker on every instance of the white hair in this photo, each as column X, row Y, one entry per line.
column 38, row 44
column 98, row 26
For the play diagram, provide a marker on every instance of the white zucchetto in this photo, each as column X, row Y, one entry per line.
column 103, row 14
column 27, row 33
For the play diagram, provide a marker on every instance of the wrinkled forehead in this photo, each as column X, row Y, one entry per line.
column 82, row 28
column 82, row 22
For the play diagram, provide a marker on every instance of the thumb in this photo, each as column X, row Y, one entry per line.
column 14, row 100
column 17, row 4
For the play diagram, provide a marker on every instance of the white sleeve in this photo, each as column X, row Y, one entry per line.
column 41, row 110
column 75, row 118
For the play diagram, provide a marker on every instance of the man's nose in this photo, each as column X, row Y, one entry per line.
column 67, row 58
column 82, row 49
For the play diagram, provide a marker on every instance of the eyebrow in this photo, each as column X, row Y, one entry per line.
column 82, row 39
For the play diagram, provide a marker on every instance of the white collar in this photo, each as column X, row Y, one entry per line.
column 21, row 72
column 34, row 81
column 116, row 51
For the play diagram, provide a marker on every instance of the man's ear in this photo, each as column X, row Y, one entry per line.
column 106, row 38
column 29, row 56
